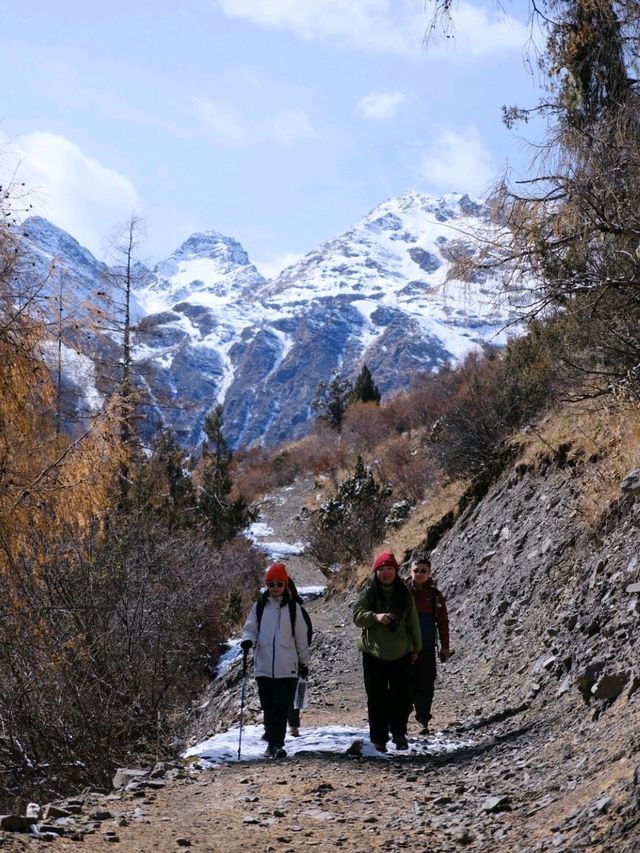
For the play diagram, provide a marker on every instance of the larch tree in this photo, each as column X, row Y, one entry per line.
column 571, row 231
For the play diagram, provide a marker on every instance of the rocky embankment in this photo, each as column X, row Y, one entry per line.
column 536, row 742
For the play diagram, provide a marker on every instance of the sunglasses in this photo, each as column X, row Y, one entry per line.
column 421, row 571
column 271, row 584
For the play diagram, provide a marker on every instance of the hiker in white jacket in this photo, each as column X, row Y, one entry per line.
column 277, row 631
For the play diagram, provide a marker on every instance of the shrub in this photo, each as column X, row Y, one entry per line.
column 347, row 526
column 407, row 467
column 103, row 646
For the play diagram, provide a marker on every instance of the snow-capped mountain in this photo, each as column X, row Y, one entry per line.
column 216, row 330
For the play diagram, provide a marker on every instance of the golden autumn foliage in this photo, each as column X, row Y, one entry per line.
column 110, row 612
column 45, row 478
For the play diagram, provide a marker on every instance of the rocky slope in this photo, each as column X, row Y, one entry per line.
column 539, row 705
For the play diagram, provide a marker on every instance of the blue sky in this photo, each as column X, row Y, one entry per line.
column 278, row 122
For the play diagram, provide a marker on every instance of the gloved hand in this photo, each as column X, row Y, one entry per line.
column 245, row 645
column 303, row 670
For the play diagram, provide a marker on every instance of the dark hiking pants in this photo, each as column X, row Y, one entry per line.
column 387, row 686
column 423, row 679
column 276, row 694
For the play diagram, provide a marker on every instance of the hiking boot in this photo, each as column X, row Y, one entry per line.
column 280, row 752
column 401, row 743
column 424, row 731
column 270, row 751
column 380, row 747
column 294, row 731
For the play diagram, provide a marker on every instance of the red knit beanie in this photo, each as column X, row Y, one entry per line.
column 277, row 572
column 385, row 559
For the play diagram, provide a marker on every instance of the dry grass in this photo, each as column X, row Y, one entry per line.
column 601, row 440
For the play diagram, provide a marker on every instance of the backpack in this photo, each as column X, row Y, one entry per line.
column 294, row 599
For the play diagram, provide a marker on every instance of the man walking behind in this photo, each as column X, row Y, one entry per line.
column 434, row 622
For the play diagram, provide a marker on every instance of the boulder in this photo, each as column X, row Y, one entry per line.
column 124, row 775
column 610, row 686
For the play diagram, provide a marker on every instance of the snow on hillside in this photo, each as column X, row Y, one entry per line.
column 215, row 330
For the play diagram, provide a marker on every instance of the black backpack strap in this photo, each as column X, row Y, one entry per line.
column 260, row 608
column 292, row 615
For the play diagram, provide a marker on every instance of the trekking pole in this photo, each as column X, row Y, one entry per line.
column 242, row 693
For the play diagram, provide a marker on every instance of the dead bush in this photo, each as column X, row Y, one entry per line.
column 364, row 426
column 407, row 467
column 103, row 646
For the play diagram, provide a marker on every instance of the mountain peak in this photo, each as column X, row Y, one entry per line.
column 449, row 205
column 212, row 245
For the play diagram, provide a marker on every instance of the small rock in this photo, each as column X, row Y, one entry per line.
column 51, row 812
column 183, row 842
column 631, row 482
column 497, row 804
column 355, row 749
column 100, row 814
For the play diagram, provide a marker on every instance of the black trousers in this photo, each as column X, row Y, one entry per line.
column 422, row 683
column 276, row 694
column 387, row 686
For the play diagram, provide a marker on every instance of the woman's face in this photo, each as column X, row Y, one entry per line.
column 276, row 588
column 386, row 575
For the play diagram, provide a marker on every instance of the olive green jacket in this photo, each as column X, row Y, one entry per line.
column 377, row 639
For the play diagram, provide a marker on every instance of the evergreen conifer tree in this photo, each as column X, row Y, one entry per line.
column 365, row 391
column 224, row 517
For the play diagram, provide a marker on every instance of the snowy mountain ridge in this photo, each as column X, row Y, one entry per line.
column 215, row 330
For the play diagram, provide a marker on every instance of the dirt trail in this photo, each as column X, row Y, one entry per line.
column 510, row 790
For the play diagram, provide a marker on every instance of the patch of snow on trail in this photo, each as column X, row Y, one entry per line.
column 258, row 530
column 223, row 747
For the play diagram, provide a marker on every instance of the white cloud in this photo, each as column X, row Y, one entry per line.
column 72, row 189
column 458, row 162
column 274, row 266
column 390, row 26
column 226, row 125
column 367, row 24
column 380, row 105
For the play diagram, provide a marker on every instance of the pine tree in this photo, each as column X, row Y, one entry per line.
column 332, row 399
column 364, row 391
column 224, row 517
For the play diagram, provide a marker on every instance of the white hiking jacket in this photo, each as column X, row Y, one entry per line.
column 276, row 652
